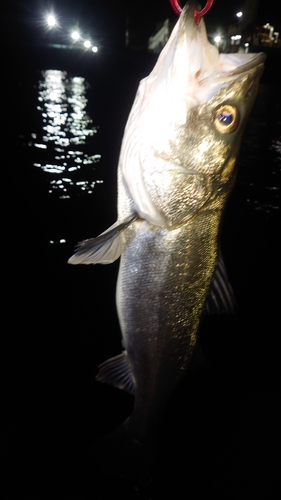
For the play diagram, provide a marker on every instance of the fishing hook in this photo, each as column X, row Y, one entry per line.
column 197, row 13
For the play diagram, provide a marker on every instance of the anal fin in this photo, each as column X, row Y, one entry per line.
column 116, row 371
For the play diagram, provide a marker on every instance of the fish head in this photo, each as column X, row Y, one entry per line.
column 184, row 131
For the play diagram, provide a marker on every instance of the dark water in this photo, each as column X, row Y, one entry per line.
column 220, row 437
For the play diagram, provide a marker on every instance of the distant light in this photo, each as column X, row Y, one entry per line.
column 62, row 240
column 75, row 35
column 239, row 14
column 95, row 49
column 217, row 38
column 51, row 21
column 236, row 37
column 246, row 45
column 87, row 44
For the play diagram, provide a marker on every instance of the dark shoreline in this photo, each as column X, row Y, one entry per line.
column 44, row 56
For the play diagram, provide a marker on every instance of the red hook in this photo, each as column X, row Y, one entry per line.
column 176, row 6
column 197, row 13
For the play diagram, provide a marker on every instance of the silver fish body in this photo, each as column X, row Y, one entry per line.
column 176, row 170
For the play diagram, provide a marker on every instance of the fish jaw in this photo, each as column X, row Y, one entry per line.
column 189, row 73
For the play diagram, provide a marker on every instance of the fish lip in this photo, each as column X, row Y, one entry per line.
column 255, row 63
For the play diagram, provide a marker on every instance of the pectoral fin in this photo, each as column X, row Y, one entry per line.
column 221, row 299
column 115, row 371
column 103, row 249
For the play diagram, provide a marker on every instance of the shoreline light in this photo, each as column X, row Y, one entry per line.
column 51, row 20
column 76, row 38
column 75, row 35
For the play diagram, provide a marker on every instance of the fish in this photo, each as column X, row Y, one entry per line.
column 177, row 167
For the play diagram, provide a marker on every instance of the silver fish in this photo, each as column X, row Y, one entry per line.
column 176, row 170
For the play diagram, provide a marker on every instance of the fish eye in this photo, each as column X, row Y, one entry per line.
column 226, row 119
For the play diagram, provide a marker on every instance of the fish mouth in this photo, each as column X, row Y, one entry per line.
column 230, row 63
column 207, row 70
column 236, row 65
column 245, row 62
column 230, row 67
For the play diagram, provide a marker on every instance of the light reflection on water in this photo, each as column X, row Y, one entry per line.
column 65, row 147
column 67, row 130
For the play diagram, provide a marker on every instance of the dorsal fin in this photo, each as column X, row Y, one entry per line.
column 221, row 299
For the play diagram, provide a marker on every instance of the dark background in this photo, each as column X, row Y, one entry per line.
column 108, row 19
column 220, row 435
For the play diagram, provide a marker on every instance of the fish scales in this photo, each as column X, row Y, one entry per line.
column 175, row 173
column 161, row 296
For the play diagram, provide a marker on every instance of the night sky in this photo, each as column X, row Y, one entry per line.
column 108, row 18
